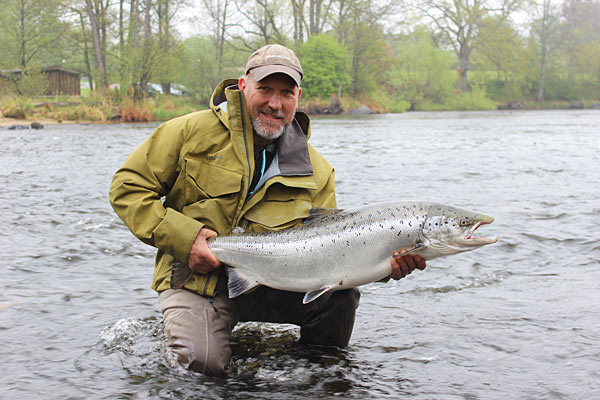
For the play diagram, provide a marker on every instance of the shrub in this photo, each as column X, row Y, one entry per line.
column 17, row 108
column 137, row 111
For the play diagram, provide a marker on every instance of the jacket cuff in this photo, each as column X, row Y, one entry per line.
column 176, row 234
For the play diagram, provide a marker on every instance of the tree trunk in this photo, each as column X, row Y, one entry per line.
column 463, row 68
column 86, row 53
column 122, row 65
column 132, row 47
column 298, row 9
column 97, row 45
column 221, row 37
column 543, row 50
column 22, row 48
column 146, row 51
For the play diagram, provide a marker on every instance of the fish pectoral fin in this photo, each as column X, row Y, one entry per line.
column 238, row 230
column 409, row 250
column 238, row 283
column 315, row 294
column 180, row 275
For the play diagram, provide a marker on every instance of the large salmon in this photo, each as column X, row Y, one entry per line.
column 340, row 249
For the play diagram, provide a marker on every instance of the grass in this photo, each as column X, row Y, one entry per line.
column 94, row 107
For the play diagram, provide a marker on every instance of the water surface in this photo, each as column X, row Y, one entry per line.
column 518, row 319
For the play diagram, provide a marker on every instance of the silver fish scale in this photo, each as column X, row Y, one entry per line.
column 345, row 248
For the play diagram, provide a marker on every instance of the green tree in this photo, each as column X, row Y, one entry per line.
column 499, row 48
column 545, row 28
column 460, row 22
column 29, row 31
column 198, row 68
column 324, row 64
column 581, row 34
column 424, row 72
column 372, row 57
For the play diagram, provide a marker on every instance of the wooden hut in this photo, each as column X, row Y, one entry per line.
column 60, row 80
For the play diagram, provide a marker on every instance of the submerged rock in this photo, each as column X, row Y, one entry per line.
column 576, row 105
column 364, row 110
column 36, row 125
column 17, row 127
column 511, row 105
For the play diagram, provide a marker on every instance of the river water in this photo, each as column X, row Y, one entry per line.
column 517, row 319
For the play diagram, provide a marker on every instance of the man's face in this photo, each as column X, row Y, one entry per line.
column 272, row 103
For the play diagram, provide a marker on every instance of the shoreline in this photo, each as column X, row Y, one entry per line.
column 7, row 122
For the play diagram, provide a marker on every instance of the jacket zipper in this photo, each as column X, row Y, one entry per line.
column 246, row 195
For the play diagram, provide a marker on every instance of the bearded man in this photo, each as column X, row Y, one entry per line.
column 244, row 162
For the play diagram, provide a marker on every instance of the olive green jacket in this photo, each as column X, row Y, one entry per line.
column 194, row 171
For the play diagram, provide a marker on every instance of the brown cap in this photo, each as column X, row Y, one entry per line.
column 274, row 58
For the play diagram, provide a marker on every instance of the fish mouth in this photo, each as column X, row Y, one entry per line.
column 471, row 240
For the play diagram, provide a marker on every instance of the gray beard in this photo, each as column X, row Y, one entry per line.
column 259, row 128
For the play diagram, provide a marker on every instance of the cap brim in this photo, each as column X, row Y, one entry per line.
column 260, row 73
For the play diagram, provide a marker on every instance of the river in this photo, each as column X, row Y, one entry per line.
column 517, row 319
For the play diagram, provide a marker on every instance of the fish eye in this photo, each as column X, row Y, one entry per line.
column 464, row 222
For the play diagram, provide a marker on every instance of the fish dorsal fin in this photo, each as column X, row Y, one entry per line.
column 239, row 283
column 315, row 294
column 320, row 212
column 238, row 230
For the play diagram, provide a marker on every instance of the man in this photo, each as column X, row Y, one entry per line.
column 244, row 162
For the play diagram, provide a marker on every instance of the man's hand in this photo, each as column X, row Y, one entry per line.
column 404, row 265
column 201, row 259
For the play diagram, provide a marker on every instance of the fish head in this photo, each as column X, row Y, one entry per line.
column 450, row 230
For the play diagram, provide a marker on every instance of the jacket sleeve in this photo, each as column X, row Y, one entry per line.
column 137, row 187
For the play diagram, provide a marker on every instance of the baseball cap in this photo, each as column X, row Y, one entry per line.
column 274, row 58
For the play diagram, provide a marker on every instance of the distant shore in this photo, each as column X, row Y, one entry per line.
column 311, row 107
column 6, row 122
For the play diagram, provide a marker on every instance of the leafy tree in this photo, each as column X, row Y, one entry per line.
column 545, row 28
column 198, row 68
column 500, row 48
column 581, row 33
column 424, row 74
column 460, row 21
column 324, row 64
column 29, row 31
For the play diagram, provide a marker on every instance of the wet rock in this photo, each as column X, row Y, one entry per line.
column 36, row 125
column 511, row 105
column 596, row 106
column 364, row 110
column 336, row 106
column 17, row 127
column 576, row 105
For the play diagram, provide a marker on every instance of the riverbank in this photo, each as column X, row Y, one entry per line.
column 23, row 112
column 7, row 122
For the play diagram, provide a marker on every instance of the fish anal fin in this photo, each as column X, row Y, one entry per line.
column 239, row 283
column 181, row 274
column 315, row 294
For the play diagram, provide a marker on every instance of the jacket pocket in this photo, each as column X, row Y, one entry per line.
column 276, row 212
column 207, row 181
